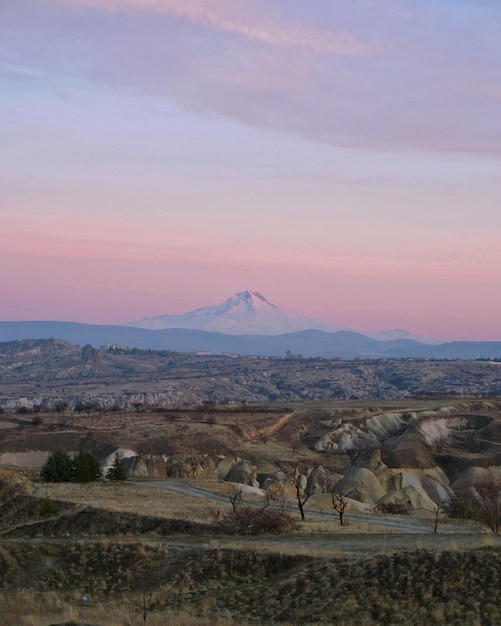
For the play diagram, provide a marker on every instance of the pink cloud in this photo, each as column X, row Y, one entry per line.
column 251, row 21
column 347, row 73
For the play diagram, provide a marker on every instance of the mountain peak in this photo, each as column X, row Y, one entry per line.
column 252, row 299
column 244, row 313
column 250, row 313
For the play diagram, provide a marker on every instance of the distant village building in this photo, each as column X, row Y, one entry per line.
column 115, row 347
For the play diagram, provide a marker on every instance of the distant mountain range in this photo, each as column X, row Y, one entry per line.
column 248, row 324
column 250, row 313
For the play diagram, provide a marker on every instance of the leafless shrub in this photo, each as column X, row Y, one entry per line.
column 251, row 521
column 269, row 499
column 398, row 506
column 302, row 488
column 434, row 494
column 460, row 506
column 484, row 506
column 489, row 510
column 339, row 500
column 234, row 493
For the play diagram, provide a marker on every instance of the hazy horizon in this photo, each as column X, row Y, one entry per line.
column 343, row 159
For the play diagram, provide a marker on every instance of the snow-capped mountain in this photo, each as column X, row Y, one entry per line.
column 245, row 313
column 250, row 313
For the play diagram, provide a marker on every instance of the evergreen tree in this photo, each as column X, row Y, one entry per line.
column 58, row 468
column 86, row 467
column 116, row 471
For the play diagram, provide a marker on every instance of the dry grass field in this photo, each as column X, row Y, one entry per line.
column 150, row 547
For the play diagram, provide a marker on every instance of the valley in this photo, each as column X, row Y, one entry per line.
column 208, row 526
column 42, row 372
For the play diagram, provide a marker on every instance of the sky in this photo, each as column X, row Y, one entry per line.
column 341, row 157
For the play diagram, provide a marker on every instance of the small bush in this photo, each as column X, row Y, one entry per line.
column 47, row 508
column 250, row 521
column 398, row 506
column 461, row 506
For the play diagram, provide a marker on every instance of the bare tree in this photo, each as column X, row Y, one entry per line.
column 269, row 499
column 296, row 441
column 434, row 494
column 484, row 505
column 234, row 493
column 303, row 491
column 339, row 500
column 437, row 510
column 60, row 406
column 279, row 496
column 147, row 574
column 489, row 493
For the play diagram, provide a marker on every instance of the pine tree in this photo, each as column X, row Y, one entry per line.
column 116, row 471
column 86, row 467
column 58, row 468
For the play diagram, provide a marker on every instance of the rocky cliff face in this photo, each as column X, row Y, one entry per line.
column 231, row 469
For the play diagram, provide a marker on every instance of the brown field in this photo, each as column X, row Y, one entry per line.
column 150, row 541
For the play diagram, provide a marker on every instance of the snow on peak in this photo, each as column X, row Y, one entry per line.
column 245, row 313
column 250, row 313
column 251, row 300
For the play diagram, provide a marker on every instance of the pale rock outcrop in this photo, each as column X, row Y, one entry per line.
column 225, row 465
column 439, row 429
column 370, row 481
column 175, row 466
column 346, row 437
column 145, row 466
column 361, row 484
column 275, row 484
column 123, row 453
column 301, row 483
column 385, row 424
column 415, row 497
column 243, row 472
column 178, row 466
column 317, row 480
column 369, row 459
column 474, row 475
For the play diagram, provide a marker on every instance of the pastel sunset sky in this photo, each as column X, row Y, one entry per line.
column 342, row 157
